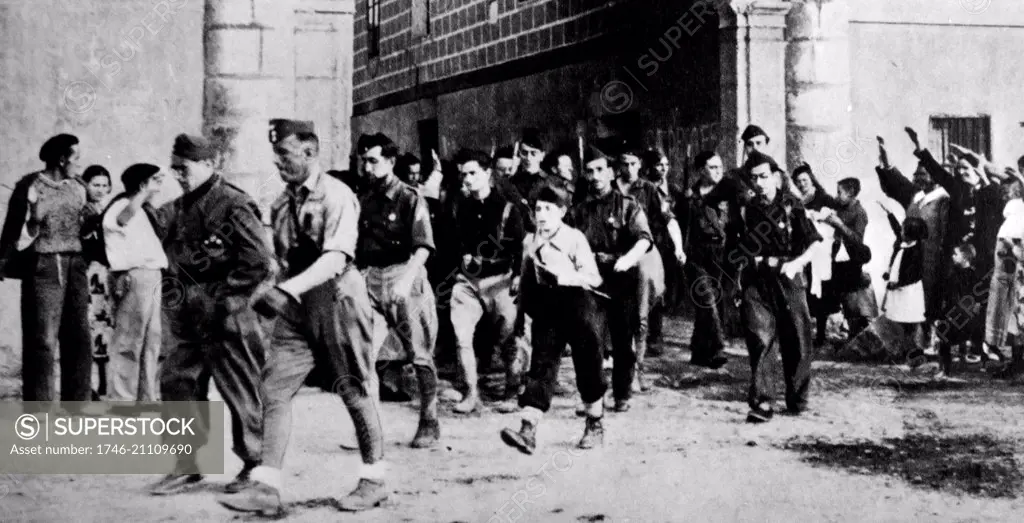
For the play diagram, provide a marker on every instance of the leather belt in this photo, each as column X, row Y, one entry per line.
column 772, row 261
column 382, row 260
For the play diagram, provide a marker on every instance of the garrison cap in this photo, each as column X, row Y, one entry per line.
column 281, row 128
column 592, row 153
column 753, row 131
column 194, row 148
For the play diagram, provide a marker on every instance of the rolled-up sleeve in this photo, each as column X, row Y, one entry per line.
column 422, row 231
column 636, row 222
column 341, row 221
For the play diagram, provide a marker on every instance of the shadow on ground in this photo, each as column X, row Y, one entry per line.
column 976, row 464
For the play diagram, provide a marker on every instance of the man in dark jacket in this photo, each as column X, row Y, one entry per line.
column 41, row 246
column 777, row 248
column 218, row 256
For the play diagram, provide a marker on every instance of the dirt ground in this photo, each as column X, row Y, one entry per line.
column 683, row 453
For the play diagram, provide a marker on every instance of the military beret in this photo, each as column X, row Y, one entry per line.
column 194, row 148
column 281, row 128
column 137, row 174
column 56, row 147
column 753, row 131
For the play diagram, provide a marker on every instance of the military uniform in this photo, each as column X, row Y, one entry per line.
column 218, row 256
column 394, row 223
column 613, row 224
column 775, row 312
column 651, row 281
column 671, row 196
column 711, row 226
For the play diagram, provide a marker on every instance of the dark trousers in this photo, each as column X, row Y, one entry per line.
column 201, row 343
column 776, row 318
column 55, row 320
column 565, row 315
column 673, row 281
column 708, row 293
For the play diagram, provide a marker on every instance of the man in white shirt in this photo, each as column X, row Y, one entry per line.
column 136, row 258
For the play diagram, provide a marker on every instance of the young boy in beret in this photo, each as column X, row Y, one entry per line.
column 559, row 274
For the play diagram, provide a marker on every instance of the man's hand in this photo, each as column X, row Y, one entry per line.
column 436, row 159
column 791, row 269
column 153, row 186
column 623, row 264
column 963, row 151
column 403, row 285
column 680, row 256
column 1010, row 171
column 913, row 138
column 35, row 213
column 514, row 287
column 833, row 220
column 275, row 302
column 883, row 155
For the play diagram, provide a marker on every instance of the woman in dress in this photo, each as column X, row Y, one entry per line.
column 819, row 205
column 904, row 295
column 101, row 321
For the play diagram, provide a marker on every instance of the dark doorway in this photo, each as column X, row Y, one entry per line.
column 429, row 140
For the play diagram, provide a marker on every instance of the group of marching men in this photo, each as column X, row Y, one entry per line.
column 561, row 260
column 576, row 262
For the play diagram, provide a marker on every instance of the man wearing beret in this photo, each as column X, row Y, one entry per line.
column 617, row 229
column 395, row 241
column 136, row 259
column 322, row 312
column 217, row 257
column 41, row 246
column 774, row 250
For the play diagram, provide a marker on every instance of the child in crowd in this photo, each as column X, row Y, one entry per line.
column 904, row 295
column 954, row 323
column 558, row 277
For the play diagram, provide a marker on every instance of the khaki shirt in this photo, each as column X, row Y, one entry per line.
column 323, row 209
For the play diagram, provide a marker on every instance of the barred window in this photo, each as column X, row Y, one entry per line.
column 373, row 11
column 973, row 133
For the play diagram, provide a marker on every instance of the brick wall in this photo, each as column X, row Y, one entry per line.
column 463, row 38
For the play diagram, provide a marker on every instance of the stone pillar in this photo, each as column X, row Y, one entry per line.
column 818, row 103
column 752, row 50
column 250, row 78
column 323, row 74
